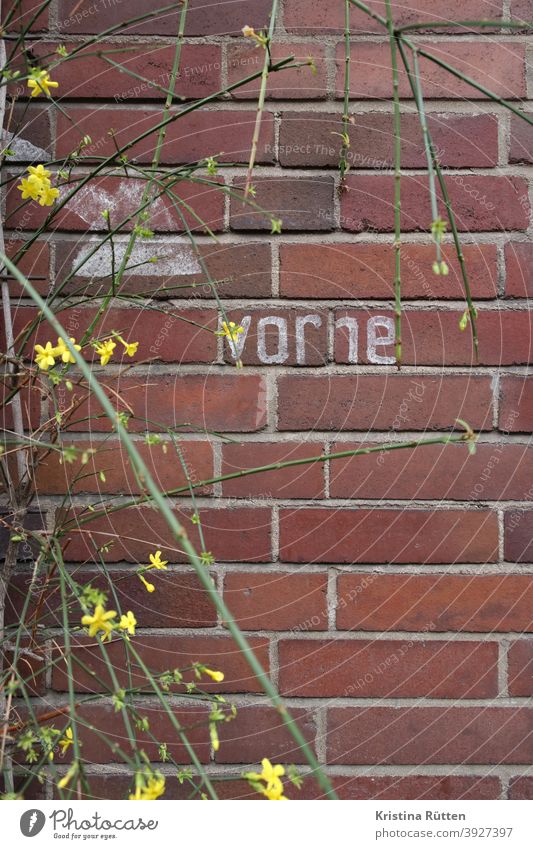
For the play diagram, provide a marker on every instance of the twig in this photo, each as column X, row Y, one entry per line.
column 262, row 94
column 397, row 188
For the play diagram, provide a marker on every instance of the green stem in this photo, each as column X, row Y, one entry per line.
column 68, row 657
column 397, row 187
column 466, row 25
column 449, row 210
column 343, row 163
column 430, row 154
column 262, row 94
column 465, row 78
column 271, row 467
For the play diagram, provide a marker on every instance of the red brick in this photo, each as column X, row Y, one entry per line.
column 242, row 790
column 88, row 77
column 30, row 216
column 306, row 481
column 516, row 404
column 518, row 526
column 519, row 270
column 237, row 270
column 276, row 347
column 107, row 722
column 223, row 18
column 34, row 264
column 233, row 402
column 307, row 139
column 413, row 735
column 179, row 336
column 363, row 402
column 217, row 18
column 233, row 534
column 371, row 76
column 341, row 535
column 162, row 653
column 24, row 12
column 521, row 787
column 307, row 17
column 111, row 459
column 521, row 10
column 286, row 84
column 90, row 18
column 481, row 603
column 122, row 197
column 119, row 786
column 31, row 123
column 388, row 669
column 505, row 338
column 277, row 601
column 30, row 403
column 33, row 520
column 345, row 270
column 31, row 664
column 302, row 203
column 182, row 601
column 225, row 134
column 479, row 203
column 521, row 147
column 417, row 787
column 495, row 472
column 31, row 790
column 520, row 668
column 257, row 730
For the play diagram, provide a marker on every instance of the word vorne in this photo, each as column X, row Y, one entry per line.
column 376, row 339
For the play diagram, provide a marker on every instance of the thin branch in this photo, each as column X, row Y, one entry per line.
column 397, row 187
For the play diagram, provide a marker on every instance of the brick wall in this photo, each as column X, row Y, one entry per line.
column 389, row 596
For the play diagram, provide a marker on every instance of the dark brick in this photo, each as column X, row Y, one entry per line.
column 302, row 203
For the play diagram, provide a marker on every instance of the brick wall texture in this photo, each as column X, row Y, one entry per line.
column 390, row 595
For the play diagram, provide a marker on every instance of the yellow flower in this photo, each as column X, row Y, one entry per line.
column 214, row 674
column 44, row 357
column 63, row 352
column 47, row 195
column 149, row 587
column 66, row 741
column 148, row 787
column 271, row 776
column 128, row 623
column 100, row 621
column 38, row 186
column 105, row 350
column 40, row 83
column 131, row 347
column 156, row 562
column 67, row 778
column 39, row 171
column 230, row 330
column 249, row 32
column 275, row 795
column 30, row 187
